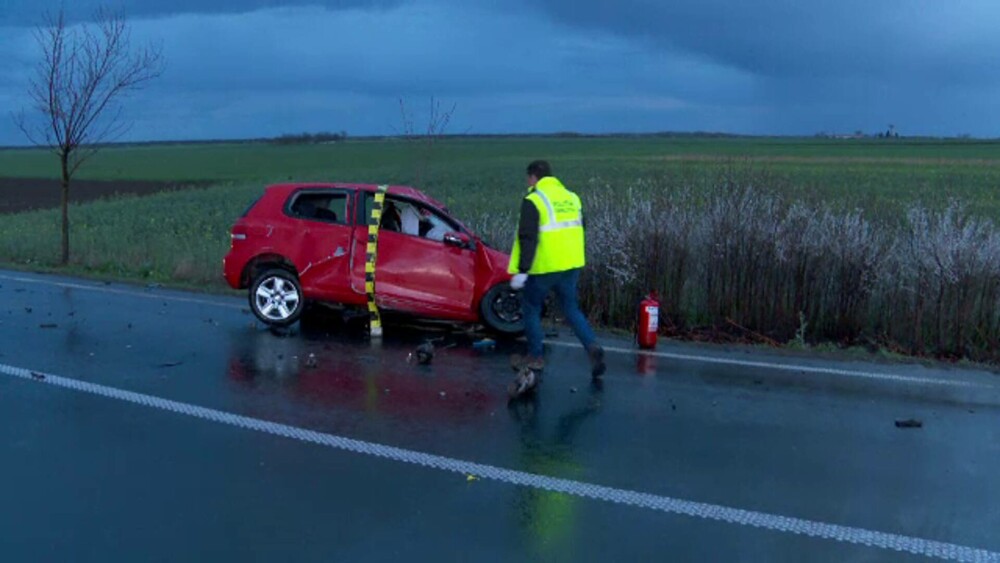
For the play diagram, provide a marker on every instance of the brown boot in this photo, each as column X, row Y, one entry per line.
column 597, row 366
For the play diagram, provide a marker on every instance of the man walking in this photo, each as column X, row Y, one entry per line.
column 548, row 256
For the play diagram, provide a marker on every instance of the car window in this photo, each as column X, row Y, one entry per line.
column 415, row 219
column 435, row 226
column 329, row 207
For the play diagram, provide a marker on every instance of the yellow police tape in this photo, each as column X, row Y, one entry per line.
column 371, row 253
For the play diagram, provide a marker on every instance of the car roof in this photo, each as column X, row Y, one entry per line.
column 403, row 191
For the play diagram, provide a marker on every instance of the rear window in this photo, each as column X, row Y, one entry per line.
column 328, row 207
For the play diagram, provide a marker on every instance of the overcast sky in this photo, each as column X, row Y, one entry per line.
column 252, row 68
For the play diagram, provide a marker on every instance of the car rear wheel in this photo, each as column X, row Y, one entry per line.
column 500, row 310
column 276, row 297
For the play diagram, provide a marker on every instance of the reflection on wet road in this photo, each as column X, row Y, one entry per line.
column 89, row 476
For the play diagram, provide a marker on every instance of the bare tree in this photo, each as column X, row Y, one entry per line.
column 438, row 119
column 84, row 70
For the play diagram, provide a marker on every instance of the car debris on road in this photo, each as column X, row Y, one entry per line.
column 484, row 345
column 311, row 361
column 424, row 354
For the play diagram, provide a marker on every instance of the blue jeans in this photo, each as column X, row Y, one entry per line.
column 533, row 298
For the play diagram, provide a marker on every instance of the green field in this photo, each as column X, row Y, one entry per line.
column 643, row 191
column 265, row 161
column 871, row 174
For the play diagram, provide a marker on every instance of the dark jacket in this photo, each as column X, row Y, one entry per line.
column 527, row 235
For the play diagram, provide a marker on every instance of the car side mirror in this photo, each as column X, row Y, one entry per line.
column 460, row 240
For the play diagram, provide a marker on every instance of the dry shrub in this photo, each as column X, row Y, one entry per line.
column 737, row 255
column 942, row 284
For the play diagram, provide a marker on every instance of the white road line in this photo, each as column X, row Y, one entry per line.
column 614, row 349
column 117, row 291
column 786, row 367
column 720, row 513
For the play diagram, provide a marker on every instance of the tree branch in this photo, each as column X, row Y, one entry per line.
column 82, row 74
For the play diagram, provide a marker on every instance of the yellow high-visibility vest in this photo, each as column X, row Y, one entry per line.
column 560, row 230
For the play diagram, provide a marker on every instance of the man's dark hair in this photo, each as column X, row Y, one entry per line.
column 539, row 169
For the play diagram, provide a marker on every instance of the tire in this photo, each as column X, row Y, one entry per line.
column 500, row 310
column 276, row 297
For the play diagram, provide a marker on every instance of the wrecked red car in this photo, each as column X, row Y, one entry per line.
column 306, row 243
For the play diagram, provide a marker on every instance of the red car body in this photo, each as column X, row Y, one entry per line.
column 443, row 279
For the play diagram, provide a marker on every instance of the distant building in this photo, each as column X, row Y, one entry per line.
column 855, row 135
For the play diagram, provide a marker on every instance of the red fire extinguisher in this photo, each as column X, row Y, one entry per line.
column 649, row 322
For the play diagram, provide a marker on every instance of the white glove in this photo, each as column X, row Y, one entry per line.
column 518, row 281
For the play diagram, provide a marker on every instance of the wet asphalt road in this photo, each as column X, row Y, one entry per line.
column 89, row 478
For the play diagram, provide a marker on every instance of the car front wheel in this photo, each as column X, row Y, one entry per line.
column 500, row 310
column 276, row 297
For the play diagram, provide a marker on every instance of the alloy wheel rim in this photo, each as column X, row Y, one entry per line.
column 507, row 307
column 276, row 298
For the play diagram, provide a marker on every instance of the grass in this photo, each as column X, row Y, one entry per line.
column 260, row 161
column 174, row 236
column 874, row 175
column 637, row 189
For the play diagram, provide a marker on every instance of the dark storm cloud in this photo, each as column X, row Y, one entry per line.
column 255, row 68
column 506, row 73
column 309, row 68
column 826, row 65
column 919, row 39
column 31, row 12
